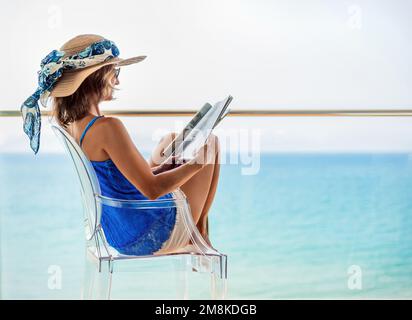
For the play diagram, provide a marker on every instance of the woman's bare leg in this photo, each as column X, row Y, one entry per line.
column 200, row 191
column 202, row 223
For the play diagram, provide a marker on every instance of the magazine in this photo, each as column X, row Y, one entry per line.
column 196, row 132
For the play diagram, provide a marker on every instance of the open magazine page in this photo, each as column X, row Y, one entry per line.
column 198, row 136
column 226, row 110
column 193, row 137
column 175, row 144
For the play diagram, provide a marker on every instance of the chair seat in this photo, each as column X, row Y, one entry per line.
column 115, row 255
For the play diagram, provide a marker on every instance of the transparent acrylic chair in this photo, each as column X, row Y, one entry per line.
column 102, row 260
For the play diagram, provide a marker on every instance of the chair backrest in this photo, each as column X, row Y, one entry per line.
column 88, row 181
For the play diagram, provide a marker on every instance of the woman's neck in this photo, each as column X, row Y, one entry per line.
column 94, row 110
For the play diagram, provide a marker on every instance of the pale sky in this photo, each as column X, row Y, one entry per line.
column 272, row 54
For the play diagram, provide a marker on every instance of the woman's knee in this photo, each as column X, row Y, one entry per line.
column 167, row 138
column 212, row 151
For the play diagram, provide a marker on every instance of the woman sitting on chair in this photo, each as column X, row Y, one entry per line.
column 83, row 73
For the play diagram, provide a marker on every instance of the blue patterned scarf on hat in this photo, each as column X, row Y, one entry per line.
column 52, row 67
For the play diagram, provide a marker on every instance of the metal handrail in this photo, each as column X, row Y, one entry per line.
column 151, row 112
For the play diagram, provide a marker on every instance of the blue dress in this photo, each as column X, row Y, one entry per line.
column 130, row 231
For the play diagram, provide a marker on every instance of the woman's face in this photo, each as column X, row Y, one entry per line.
column 114, row 81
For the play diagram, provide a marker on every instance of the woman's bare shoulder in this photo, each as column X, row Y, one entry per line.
column 111, row 123
column 112, row 128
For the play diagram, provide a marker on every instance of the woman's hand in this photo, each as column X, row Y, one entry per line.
column 169, row 164
column 203, row 156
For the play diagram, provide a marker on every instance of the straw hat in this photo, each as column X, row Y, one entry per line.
column 71, row 80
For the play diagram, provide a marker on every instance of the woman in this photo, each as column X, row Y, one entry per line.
column 83, row 73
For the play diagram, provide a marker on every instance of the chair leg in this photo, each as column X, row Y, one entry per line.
column 88, row 278
column 218, row 287
column 218, row 278
column 97, row 283
column 182, row 285
column 104, row 281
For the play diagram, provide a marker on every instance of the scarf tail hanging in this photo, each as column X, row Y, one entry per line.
column 32, row 121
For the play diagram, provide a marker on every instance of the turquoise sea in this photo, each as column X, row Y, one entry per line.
column 294, row 230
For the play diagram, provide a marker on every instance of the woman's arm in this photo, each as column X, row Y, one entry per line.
column 121, row 149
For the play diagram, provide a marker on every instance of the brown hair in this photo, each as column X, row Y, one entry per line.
column 92, row 91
